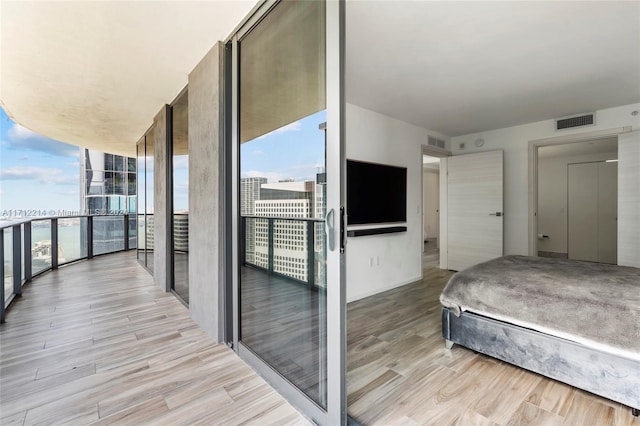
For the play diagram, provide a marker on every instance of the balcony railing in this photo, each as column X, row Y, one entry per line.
column 284, row 246
column 33, row 246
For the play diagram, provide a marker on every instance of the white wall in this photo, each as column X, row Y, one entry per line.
column 431, row 202
column 515, row 141
column 381, row 139
column 552, row 197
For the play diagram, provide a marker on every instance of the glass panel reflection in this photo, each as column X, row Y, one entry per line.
column 72, row 241
column 141, row 229
column 282, row 194
column 108, row 234
column 149, row 238
column 41, row 246
column 8, row 262
column 180, row 116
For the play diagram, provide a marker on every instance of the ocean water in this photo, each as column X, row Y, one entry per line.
column 69, row 240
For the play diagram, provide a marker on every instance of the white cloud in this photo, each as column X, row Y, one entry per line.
column 181, row 162
column 19, row 132
column 42, row 175
column 314, row 167
column 69, row 192
column 21, row 138
column 258, row 152
column 296, row 126
column 271, row 176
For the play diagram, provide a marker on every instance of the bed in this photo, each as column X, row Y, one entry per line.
column 576, row 322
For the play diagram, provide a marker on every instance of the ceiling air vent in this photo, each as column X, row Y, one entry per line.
column 433, row 141
column 575, row 121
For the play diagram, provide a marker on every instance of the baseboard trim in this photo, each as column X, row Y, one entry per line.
column 366, row 294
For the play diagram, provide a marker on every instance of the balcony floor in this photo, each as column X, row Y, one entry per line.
column 97, row 342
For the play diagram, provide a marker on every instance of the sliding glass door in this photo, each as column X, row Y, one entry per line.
column 288, row 290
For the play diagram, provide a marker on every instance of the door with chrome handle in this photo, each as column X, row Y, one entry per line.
column 330, row 229
column 496, row 214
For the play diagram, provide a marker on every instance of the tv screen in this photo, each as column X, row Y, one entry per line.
column 376, row 193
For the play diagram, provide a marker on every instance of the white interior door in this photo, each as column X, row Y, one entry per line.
column 475, row 208
column 629, row 199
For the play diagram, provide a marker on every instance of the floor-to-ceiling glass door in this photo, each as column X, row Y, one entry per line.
column 287, row 138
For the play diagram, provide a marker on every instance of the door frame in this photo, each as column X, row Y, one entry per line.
column 336, row 412
column 442, row 154
column 533, row 171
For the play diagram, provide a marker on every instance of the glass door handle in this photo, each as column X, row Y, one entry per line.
column 330, row 228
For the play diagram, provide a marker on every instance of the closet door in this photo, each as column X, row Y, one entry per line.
column 608, row 212
column 582, row 188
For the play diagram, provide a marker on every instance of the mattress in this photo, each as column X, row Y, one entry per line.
column 594, row 304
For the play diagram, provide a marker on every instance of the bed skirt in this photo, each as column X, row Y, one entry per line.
column 608, row 375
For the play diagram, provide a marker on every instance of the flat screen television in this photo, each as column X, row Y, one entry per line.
column 376, row 193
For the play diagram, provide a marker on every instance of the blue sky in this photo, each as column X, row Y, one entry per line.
column 36, row 172
column 39, row 173
column 294, row 151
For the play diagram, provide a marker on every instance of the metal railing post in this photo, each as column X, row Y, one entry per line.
column 270, row 244
column 17, row 261
column 126, row 232
column 2, row 275
column 89, row 237
column 54, row 243
column 311, row 271
column 27, row 252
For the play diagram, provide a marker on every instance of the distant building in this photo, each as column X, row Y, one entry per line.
column 107, row 183
column 295, row 200
column 108, row 187
column 249, row 193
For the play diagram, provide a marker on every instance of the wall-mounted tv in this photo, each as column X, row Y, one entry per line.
column 376, row 193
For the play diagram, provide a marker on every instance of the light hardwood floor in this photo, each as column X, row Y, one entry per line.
column 96, row 343
column 399, row 372
column 431, row 254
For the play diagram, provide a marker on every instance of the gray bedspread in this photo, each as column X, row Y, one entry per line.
column 590, row 303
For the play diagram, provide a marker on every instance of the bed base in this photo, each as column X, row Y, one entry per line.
column 610, row 376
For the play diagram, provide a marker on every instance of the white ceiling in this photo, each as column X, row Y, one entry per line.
column 95, row 74
column 465, row 67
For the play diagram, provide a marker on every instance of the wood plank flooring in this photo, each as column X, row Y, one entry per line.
column 399, row 372
column 284, row 322
column 431, row 253
column 96, row 343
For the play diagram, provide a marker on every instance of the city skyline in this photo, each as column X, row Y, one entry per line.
column 36, row 173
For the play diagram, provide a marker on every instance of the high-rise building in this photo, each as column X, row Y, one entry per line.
column 108, row 188
column 249, row 193
column 107, row 183
column 286, row 203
